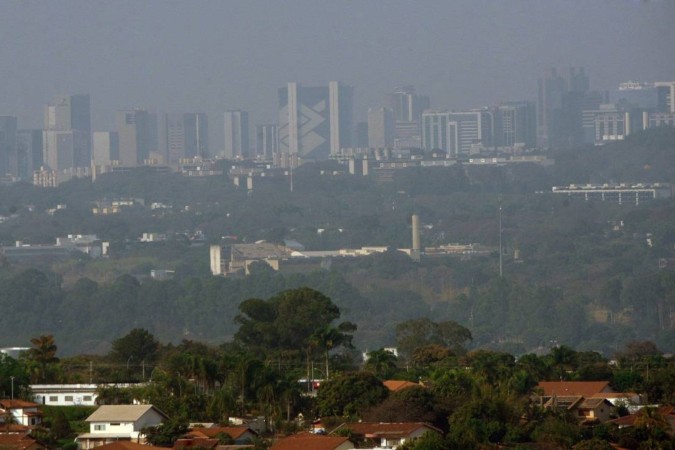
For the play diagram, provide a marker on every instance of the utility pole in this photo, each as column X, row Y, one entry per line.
column 501, row 253
column 12, row 378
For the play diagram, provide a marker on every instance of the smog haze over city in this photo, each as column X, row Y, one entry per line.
column 211, row 56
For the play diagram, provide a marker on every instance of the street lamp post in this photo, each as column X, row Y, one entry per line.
column 12, row 378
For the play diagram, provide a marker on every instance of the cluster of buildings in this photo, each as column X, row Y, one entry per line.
column 121, row 427
column 236, row 259
column 318, row 123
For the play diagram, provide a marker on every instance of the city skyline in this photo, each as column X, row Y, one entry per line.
column 235, row 55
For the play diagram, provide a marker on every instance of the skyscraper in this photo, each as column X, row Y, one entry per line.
column 437, row 134
column 408, row 108
column 106, row 148
column 515, row 125
column 185, row 136
column 236, row 134
column 137, row 133
column 406, row 104
column 71, row 113
column 560, row 104
column 61, row 149
column 29, row 149
column 8, row 150
column 381, row 128
column 267, row 140
column 315, row 121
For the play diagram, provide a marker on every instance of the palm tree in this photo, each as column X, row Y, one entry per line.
column 43, row 352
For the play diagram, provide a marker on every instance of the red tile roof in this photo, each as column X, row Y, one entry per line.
column 198, row 443
column 14, row 404
column 234, row 432
column 397, row 385
column 629, row 420
column 16, row 441
column 309, row 442
column 583, row 388
column 13, row 428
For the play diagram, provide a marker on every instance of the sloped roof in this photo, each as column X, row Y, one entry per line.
column 594, row 402
column 234, row 432
column 16, row 441
column 386, row 429
column 13, row 428
column 307, row 441
column 629, row 420
column 397, row 385
column 583, row 388
column 199, row 443
column 16, row 404
column 564, row 401
column 121, row 413
column 127, row 445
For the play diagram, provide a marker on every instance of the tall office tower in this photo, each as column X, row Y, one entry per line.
column 8, row 151
column 470, row 132
column 408, row 108
column 341, row 101
column 560, row 104
column 106, row 148
column 665, row 96
column 29, row 150
column 184, row 136
column 236, row 134
column 61, row 149
column 267, row 141
column 381, row 128
column 137, row 134
column 515, row 125
column 72, row 112
column 406, row 104
column 437, row 132
column 315, row 121
column 361, row 134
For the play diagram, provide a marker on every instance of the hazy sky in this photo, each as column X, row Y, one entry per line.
column 198, row 55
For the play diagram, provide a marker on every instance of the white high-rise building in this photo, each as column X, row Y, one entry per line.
column 315, row 122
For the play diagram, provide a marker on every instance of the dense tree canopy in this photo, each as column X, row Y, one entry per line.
column 295, row 319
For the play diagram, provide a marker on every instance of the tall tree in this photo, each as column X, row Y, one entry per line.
column 138, row 345
column 416, row 333
column 291, row 320
column 44, row 353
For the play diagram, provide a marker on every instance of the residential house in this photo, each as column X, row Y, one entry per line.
column 667, row 413
column 586, row 410
column 567, row 388
column 24, row 413
column 111, row 423
column 202, row 437
column 305, row 441
column 388, row 434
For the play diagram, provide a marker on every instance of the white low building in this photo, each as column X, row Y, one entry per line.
column 65, row 394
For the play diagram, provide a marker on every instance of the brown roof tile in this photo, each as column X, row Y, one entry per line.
column 309, row 442
column 397, row 385
column 583, row 388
